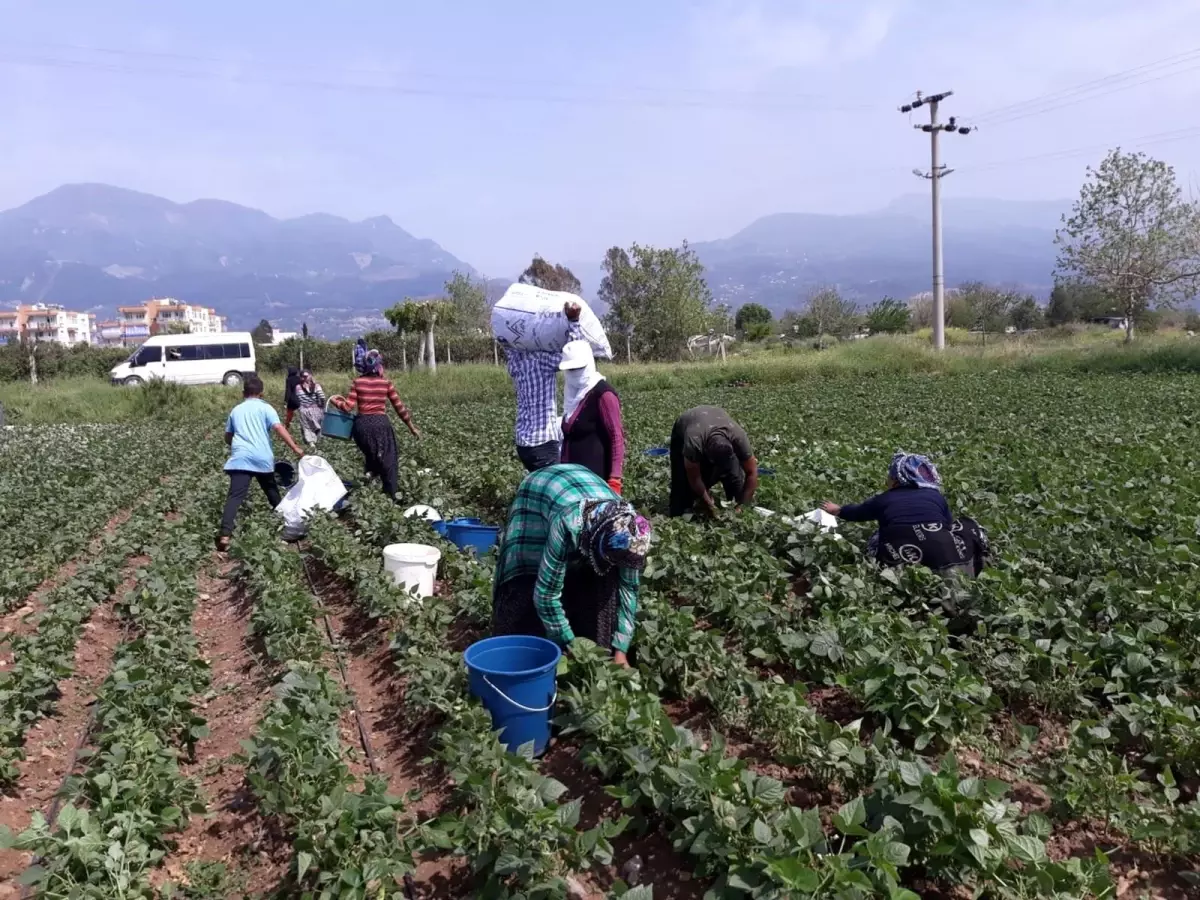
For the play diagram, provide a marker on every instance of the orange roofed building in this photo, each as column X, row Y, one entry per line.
column 46, row 323
column 136, row 323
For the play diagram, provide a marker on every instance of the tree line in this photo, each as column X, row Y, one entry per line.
column 1129, row 249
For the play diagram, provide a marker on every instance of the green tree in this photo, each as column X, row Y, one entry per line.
column 889, row 316
column 753, row 320
column 185, row 328
column 550, row 277
column 657, row 298
column 831, row 313
column 1026, row 315
column 986, row 308
column 263, row 333
column 422, row 318
column 619, row 291
column 469, row 299
column 1132, row 234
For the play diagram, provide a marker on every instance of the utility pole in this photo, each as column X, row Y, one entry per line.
column 936, row 173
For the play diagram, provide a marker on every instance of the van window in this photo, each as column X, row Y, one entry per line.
column 245, row 348
column 148, row 355
column 186, row 353
column 215, row 351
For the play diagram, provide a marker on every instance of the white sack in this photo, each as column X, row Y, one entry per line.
column 317, row 487
column 530, row 318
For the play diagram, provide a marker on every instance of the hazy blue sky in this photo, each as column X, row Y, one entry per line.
column 501, row 129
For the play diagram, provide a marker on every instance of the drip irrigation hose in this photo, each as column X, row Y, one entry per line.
column 337, row 655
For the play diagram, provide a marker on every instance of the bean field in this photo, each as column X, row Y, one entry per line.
column 282, row 721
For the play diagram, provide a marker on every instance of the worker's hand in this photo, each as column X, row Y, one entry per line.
column 615, row 484
column 415, row 431
column 832, row 508
column 572, row 311
column 620, row 658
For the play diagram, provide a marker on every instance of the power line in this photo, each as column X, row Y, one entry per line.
column 1136, row 71
column 260, row 65
column 1161, row 137
column 714, row 102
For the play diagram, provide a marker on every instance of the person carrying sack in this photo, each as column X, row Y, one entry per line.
column 535, row 376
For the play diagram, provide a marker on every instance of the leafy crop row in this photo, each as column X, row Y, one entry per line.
column 115, row 826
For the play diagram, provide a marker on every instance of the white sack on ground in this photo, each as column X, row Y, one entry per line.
column 530, row 318
column 317, row 487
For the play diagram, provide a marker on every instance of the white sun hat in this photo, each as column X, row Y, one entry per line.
column 576, row 355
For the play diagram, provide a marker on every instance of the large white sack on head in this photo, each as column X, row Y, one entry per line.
column 531, row 318
column 317, row 487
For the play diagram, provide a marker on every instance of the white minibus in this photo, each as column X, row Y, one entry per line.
column 222, row 358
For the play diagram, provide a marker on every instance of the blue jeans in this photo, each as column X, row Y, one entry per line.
column 534, row 458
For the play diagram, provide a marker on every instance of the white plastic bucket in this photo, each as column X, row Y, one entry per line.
column 412, row 566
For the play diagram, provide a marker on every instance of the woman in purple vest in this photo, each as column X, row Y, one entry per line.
column 593, row 436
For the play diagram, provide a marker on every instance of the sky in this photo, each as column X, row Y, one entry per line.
column 501, row 130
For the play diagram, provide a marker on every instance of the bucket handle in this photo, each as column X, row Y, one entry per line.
column 521, row 706
column 329, row 403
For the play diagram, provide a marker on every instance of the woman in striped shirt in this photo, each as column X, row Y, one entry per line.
column 311, row 398
column 372, row 432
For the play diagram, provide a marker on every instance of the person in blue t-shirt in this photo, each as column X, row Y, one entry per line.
column 915, row 523
column 248, row 434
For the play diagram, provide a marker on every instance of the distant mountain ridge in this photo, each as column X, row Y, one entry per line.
column 90, row 246
column 778, row 259
column 94, row 247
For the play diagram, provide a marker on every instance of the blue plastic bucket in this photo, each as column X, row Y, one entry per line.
column 657, row 451
column 766, row 471
column 441, row 526
column 336, row 423
column 514, row 678
column 469, row 534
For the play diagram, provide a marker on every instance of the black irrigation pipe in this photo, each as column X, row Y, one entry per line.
column 337, row 655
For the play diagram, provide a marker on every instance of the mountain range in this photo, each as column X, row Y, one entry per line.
column 94, row 247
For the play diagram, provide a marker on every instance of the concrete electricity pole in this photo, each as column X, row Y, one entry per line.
column 936, row 173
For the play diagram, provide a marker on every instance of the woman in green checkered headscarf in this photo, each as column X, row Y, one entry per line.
column 570, row 558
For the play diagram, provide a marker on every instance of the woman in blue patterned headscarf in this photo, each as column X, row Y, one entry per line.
column 915, row 523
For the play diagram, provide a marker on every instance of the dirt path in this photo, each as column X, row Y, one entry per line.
column 399, row 740
column 231, row 831
column 20, row 621
column 50, row 744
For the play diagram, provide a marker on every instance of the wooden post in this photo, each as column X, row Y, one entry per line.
column 496, row 351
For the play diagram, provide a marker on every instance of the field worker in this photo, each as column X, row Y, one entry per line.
column 311, row 398
column 570, row 561
column 360, row 353
column 915, row 524
column 248, row 434
column 593, row 435
column 535, row 376
column 372, row 431
column 708, row 447
column 290, row 403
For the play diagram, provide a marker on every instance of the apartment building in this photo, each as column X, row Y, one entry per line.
column 47, row 323
column 136, row 323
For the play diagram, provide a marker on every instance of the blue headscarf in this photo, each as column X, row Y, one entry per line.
column 372, row 363
column 613, row 534
column 914, row 470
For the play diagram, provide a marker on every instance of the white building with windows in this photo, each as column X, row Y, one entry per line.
column 159, row 316
column 48, row 323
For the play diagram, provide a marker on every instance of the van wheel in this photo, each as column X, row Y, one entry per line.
column 132, row 381
column 232, row 379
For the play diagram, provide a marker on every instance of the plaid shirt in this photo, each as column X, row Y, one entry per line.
column 535, row 373
column 541, row 535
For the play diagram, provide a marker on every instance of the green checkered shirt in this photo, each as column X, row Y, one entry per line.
column 543, row 531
